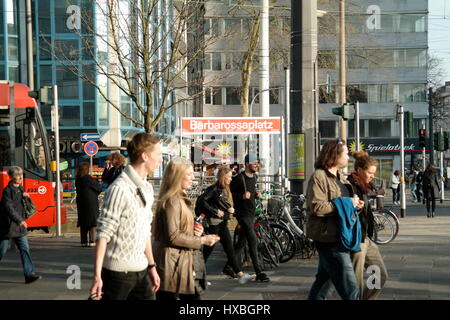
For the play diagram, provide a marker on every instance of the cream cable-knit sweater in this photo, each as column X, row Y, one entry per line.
column 125, row 222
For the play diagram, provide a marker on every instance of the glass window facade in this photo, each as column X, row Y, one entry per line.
column 60, row 53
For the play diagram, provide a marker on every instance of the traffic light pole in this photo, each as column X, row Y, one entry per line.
column 401, row 112
column 424, row 161
column 58, row 178
column 357, row 135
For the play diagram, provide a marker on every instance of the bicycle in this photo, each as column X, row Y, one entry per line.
column 386, row 223
column 294, row 220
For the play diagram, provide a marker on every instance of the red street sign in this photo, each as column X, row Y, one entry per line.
column 91, row 148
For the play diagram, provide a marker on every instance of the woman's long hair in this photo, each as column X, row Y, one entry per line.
column 171, row 191
column 431, row 168
column 329, row 154
column 223, row 171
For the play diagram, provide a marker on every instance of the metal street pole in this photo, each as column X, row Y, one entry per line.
column 30, row 62
column 402, row 161
column 342, row 68
column 296, row 76
column 287, row 102
column 58, row 178
column 442, row 171
column 430, row 124
column 357, row 134
column 264, row 85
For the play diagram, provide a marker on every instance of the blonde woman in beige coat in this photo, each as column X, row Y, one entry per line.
column 174, row 234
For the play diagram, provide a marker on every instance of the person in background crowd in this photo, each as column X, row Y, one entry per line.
column 244, row 190
column 13, row 225
column 418, row 181
column 413, row 185
column 431, row 189
column 218, row 204
column 87, row 189
column 175, row 234
column 361, row 179
column 124, row 267
column 115, row 163
column 335, row 262
column 395, row 186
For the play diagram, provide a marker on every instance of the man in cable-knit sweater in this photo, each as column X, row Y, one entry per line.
column 124, row 266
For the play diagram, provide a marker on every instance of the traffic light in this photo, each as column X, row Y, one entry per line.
column 447, row 140
column 343, row 111
column 439, row 141
column 44, row 94
column 408, row 124
column 422, row 138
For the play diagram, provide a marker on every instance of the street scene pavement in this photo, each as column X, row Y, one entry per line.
column 418, row 262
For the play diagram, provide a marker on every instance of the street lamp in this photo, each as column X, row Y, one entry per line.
column 256, row 95
column 251, row 109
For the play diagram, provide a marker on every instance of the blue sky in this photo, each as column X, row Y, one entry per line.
column 439, row 32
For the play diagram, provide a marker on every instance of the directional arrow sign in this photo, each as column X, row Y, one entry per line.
column 89, row 136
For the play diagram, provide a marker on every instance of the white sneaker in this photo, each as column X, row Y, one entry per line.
column 244, row 278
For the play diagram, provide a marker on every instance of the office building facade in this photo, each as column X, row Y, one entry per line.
column 386, row 48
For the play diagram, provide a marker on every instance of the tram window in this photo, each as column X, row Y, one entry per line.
column 18, row 138
column 34, row 150
column 5, row 150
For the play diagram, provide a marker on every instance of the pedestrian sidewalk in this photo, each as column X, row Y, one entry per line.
column 418, row 263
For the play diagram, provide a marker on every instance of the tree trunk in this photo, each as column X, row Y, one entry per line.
column 247, row 67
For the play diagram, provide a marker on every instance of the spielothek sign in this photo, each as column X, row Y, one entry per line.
column 231, row 125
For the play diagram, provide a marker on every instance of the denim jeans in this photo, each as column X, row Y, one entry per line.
column 24, row 249
column 335, row 268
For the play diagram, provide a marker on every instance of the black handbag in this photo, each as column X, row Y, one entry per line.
column 28, row 205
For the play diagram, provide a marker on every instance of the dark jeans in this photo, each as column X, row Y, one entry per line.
column 172, row 296
column 418, row 191
column 335, row 264
column 126, row 286
column 85, row 232
column 247, row 234
column 431, row 200
column 24, row 249
column 225, row 239
column 396, row 194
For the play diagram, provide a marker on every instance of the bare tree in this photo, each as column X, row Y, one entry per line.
column 279, row 42
column 145, row 48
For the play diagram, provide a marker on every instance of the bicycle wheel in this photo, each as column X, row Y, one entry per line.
column 385, row 230
column 286, row 241
column 268, row 253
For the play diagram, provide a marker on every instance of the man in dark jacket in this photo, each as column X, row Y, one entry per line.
column 13, row 225
column 243, row 188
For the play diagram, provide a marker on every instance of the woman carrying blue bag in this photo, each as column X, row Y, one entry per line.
column 326, row 184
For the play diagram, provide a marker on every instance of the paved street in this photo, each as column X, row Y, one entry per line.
column 418, row 262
